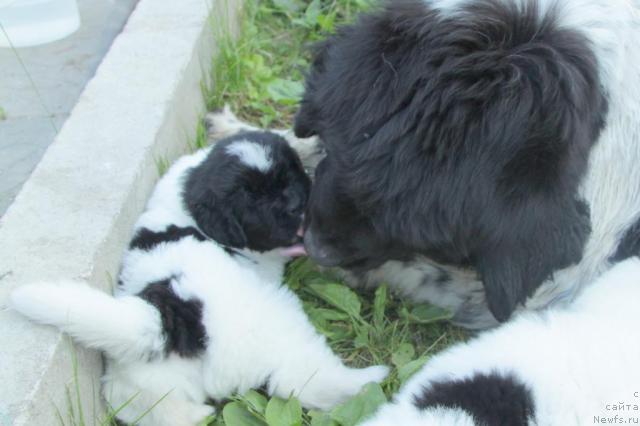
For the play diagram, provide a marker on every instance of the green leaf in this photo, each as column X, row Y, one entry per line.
column 255, row 401
column 285, row 91
column 360, row 406
column 312, row 13
column 299, row 271
column 3, row 114
column 339, row 296
column 283, row 413
column 409, row 369
column 362, row 338
column 403, row 354
column 379, row 306
column 216, row 422
column 327, row 22
column 339, row 331
column 209, row 421
column 426, row 314
column 327, row 314
column 318, row 418
column 258, row 70
column 333, row 330
column 235, row 414
column 364, row 4
column 288, row 5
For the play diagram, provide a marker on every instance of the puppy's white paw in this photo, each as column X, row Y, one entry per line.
column 357, row 378
column 199, row 413
column 176, row 413
column 376, row 373
column 223, row 123
column 339, row 385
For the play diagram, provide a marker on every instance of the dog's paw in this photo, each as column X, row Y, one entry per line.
column 223, row 123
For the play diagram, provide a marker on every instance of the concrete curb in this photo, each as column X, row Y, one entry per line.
column 74, row 215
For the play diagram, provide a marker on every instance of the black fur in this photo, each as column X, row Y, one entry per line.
column 146, row 239
column 219, row 190
column 181, row 319
column 629, row 244
column 491, row 400
column 462, row 138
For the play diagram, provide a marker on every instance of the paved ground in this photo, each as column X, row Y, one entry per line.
column 59, row 71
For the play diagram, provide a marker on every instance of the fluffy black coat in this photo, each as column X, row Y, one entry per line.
column 463, row 140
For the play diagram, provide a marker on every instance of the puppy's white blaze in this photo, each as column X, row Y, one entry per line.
column 252, row 154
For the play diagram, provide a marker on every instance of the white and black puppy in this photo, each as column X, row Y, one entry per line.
column 563, row 367
column 200, row 310
column 487, row 150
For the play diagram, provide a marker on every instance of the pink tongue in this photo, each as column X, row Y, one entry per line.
column 294, row 250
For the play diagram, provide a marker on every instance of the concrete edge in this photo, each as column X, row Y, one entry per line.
column 74, row 215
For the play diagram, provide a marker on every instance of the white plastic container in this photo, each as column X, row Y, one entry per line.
column 34, row 22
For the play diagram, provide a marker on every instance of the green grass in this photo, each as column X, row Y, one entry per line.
column 260, row 75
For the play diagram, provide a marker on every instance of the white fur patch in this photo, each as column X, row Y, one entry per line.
column 252, row 154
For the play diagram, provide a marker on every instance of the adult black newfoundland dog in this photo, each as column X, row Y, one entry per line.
column 480, row 154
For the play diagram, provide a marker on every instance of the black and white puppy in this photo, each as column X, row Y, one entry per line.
column 486, row 150
column 562, row 367
column 200, row 310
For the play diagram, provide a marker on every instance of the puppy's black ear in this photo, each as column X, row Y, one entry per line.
column 205, row 197
column 218, row 223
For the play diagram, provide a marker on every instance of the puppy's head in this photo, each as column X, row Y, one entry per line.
column 250, row 192
column 462, row 137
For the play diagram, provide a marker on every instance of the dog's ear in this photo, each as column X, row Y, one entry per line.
column 218, row 222
column 531, row 246
column 504, row 283
column 526, row 243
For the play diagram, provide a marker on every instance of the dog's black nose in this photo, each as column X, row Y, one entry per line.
column 319, row 253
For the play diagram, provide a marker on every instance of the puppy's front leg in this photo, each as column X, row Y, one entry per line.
column 316, row 376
